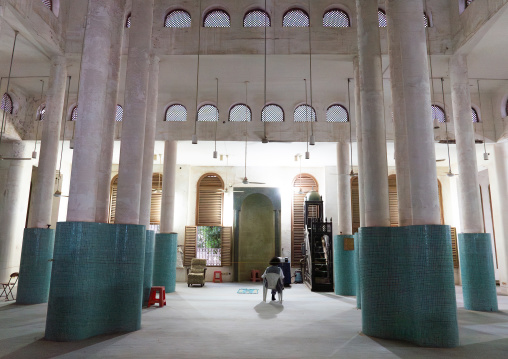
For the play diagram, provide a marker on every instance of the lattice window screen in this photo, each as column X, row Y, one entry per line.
column 296, row 18
column 304, row 113
column 256, row 18
column 381, row 16
column 240, row 113
column 178, row 19
column 306, row 183
column 176, row 113
column 272, row 113
column 48, row 3
column 7, row 105
column 217, row 18
column 336, row 18
column 337, row 113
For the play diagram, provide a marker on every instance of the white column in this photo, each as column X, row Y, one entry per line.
column 359, row 151
column 498, row 177
column 42, row 195
column 471, row 217
column 414, row 138
column 168, row 187
column 375, row 167
column 150, row 127
column 133, row 128
column 93, row 91
column 345, row 225
column 15, row 177
column 110, row 103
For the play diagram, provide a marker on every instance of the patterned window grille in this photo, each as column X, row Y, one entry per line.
column 304, row 113
column 438, row 114
column 176, row 113
column 468, row 2
column 240, row 113
column 119, row 113
column 7, row 105
column 48, row 3
column 272, row 113
column 178, row 19
column 381, row 16
column 128, row 21
column 475, row 116
column 256, row 18
column 217, row 18
column 337, row 113
column 426, row 21
column 42, row 113
column 296, row 18
column 336, row 18
column 208, row 113
column 74, row 113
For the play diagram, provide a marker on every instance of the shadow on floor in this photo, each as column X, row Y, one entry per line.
column 269, row 310
column 43, row 349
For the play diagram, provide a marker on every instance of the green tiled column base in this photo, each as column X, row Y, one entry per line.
column 477, row 272
column 408, row 290
column 164, row 261
column 35, row 266
column 344, row 270
column 357, row 267
column 148, row 272
column 96, row 280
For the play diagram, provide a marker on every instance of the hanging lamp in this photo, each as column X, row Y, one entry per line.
column 216, row 117
column 34, row 153
column 449, row 173
column 352, row 173
column 195, row 135
column 58, row 193
column 485, row 153
column 312, row 140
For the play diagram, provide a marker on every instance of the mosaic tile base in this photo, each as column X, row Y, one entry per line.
column 96, row 280
column 344, row 270
column 357, row 267
column 148, row 272
column 164, row 261
column 35, row 266
column 477, row 271
column 408, row 290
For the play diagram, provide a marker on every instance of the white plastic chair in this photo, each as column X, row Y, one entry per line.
column 270, row 281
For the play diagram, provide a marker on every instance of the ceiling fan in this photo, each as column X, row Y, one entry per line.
column 228, row 188
column 2, row 127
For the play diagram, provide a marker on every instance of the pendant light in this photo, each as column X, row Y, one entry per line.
column 58, row 193
column 312, row 140
column 265, row 138
column 194, row 135
column 450, row 173
column 352, row 173
column 216, row 117
column 307, row 153
column 485, row 153
column 34, row 153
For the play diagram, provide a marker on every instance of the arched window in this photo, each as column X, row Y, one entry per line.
column 7, row 104
column 302, row 184
column 128, row 21
column 296, row 18
column 176, row 113
column 178, row 19
column 468, row 2
column 208, row 113
column 337, row 113
column 336, row 18
column 438, row 114
column 74, row 113
column 474, row 115
column 272, row 113
column 209, row 200
column 217, row 18
column 304, row 113
column 426, row 20
column 240, row 113
column 256, row 18
column 119, row 113
column 42, row 112
column 48, row 3
column 381, row 16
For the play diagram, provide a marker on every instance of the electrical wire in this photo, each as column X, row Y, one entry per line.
column 2, row 128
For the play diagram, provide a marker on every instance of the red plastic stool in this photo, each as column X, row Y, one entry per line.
column 217, row 276
column 255, row 276
column 153, row 296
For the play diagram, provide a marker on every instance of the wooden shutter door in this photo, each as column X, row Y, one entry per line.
column 394, row 201
column 306, row 183
column 226, row 236
column 189, row 248
column 112, row 202
column 355, row 204
column 209, row 201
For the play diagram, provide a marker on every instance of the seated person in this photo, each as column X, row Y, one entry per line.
column 274, row 268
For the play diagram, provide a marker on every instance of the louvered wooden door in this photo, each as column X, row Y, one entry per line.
column 306, row 183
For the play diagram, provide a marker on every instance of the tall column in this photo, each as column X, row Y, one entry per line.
column 43, row 194
column 359, row 142
column 110, row 103
column 375, row 165
column 15, row 188
column 468, row 186
column 344, row 189
column 414, row 138
column 150, row 127
column 133, row 129
column 93, row 92
column 168, row 187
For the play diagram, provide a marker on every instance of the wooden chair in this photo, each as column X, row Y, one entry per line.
column 9, row 286
column 196, row 273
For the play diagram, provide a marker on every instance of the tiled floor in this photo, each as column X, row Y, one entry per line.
column 216, row 322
